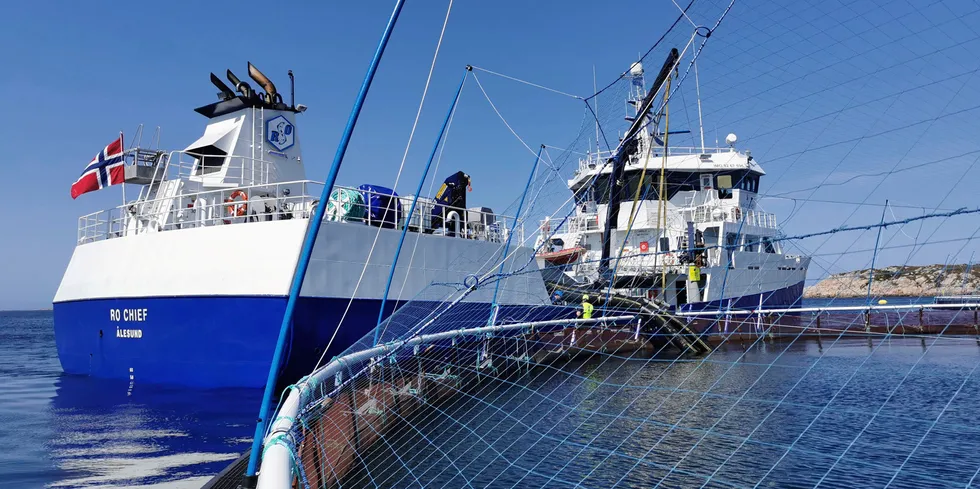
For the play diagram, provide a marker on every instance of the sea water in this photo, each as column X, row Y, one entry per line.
column 603, row 426
column 59, row 430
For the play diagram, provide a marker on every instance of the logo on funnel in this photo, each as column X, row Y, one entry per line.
column 280, row 132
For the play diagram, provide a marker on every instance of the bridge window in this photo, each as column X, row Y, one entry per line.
column 767, row 245
column 742, row 180
column 724, row 186
column 673, row 181
column 584, row 195
column 597, row 190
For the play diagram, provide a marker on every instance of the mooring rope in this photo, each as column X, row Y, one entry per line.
column 401, row 166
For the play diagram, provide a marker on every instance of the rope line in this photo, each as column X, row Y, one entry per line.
column 401, row 167
column 794, row 391
column 559, row 92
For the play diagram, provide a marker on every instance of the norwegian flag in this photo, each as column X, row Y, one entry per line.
column 104, row 170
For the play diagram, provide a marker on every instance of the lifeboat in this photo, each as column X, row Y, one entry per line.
column 562, row 257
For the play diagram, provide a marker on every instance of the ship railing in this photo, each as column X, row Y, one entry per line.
column 288, row 200
column 153, row 167
column 214, row 207
column 593, row 160
column 816, row 311
column 691, row 150
column 281, row 450
column 597, row 159
column 230, row 170
column 575, row 224
column 385, row 210
column 709, row 213
column 637, row 263
column 949, row 299
column 633, row 262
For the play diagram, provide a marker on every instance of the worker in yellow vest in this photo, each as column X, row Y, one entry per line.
column 587, row 308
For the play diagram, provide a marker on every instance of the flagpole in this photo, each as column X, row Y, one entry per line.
column 122, row 140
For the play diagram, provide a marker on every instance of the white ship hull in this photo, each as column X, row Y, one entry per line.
column 203, row 306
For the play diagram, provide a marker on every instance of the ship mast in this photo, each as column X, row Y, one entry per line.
column 626, row 149
column 697, row 86
column 662, row 201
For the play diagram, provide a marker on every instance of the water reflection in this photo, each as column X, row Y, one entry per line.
column 111, row 433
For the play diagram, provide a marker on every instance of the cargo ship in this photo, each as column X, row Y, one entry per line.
column 187, row 282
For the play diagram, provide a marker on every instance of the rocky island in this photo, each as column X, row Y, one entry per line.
column 901, row 281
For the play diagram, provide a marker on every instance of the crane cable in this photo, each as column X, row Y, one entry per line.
column 639, row 186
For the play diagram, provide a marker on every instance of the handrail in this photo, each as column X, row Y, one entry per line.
column 960, row 296
column 277, row 464
column 185, row 169
column 115, row 221
column 694, row 150
column 743, row 312
column 704, row 213
column 220, row 191
column 594, row 159
column 118, row 218
column 265, row 165
column 701, row 214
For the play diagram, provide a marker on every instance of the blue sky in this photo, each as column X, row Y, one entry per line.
column 822, row 93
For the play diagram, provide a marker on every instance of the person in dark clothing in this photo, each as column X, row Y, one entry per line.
column 451, row 197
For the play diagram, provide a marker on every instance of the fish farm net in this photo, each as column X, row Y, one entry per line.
column 864, row 116
column 777, row 401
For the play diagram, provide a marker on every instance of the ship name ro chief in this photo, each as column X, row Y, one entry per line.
column 128, row 315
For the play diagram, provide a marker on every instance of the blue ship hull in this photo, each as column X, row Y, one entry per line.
column 228, row 341
column 196, row 341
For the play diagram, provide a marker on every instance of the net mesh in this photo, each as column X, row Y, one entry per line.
column 846, row 105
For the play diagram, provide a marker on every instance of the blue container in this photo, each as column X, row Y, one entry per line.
column 383, row 206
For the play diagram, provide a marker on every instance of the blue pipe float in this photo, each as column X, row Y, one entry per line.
column 313, row 228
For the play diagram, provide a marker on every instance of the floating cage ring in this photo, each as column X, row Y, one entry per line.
column 471, row 281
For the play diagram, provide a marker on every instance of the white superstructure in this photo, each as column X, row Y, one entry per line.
column 226, row 215
column 689, row 230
